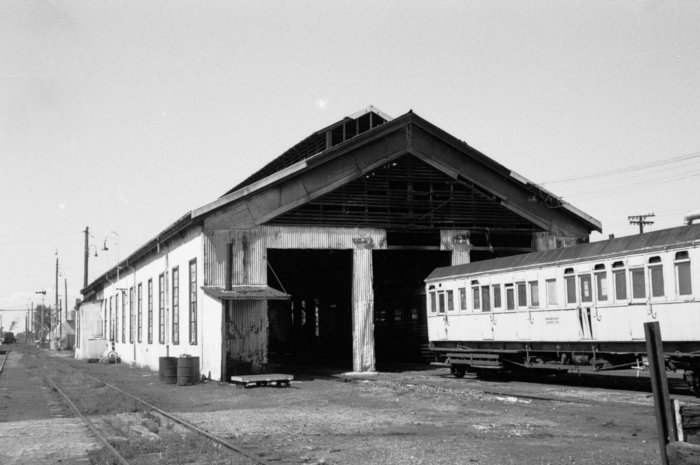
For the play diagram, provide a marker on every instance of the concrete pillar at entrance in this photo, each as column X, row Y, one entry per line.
column 362, row 308
column 456, row 240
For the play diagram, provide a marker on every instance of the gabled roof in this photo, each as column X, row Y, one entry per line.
column 672, row 237
column 407, row 133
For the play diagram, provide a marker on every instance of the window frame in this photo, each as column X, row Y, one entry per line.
column 139, row 312
column 682, row 258
column 192, row 288
column 656, row 273
column 150, row 311
column 619, row 270
column 175, row 305
column 161, row 308
column 533, row 288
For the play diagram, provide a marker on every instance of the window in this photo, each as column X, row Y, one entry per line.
column 477, row 300
column 161, row 308
column 522, row 295
column 656, row 276
column 131, row 315
column 450, row 301
column 150, row 311
column 462, row 298
column 638, row 284
column 496, row 296
column 601, row 283
column 123, row 318
column 551, row 291
column 570, row 281
column 441, row 301
column 485, row 299
column 534, row 294
column 139, row 312
column 620, row 279
column 683, row 282
column 193, row 301
column 176, row 305
column 584, row 282
column 433, row 302
column 510, row 297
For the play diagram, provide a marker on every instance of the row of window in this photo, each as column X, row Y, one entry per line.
column 627, row 282
column 136, row 311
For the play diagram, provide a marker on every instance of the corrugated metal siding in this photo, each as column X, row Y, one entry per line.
column 247, row 331
column 362, row 311
column 299, row 237
column 630, row 244
column 249, row 265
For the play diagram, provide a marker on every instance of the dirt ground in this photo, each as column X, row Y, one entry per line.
column 409, row 417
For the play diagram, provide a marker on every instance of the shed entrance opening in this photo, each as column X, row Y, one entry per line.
column 315, row 326
column 400, row 326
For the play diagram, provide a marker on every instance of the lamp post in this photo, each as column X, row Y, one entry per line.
column 105, row 248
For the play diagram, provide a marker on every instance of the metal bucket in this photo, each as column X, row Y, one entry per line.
column 186, row 370
column 167, row 370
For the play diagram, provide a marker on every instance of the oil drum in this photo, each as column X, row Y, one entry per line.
column 185, row 370
column 167, row 370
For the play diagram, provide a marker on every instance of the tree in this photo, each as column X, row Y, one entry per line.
column 38, row 310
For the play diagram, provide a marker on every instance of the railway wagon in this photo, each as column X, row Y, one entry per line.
column 579, row 307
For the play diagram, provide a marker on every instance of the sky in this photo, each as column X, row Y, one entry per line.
column 122, row 116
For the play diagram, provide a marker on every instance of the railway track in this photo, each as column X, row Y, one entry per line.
column 133, row 431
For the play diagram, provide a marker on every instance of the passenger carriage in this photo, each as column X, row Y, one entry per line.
column 577, row 306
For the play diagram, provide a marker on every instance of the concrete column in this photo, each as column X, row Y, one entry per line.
column 456, row 240
column 362, row 308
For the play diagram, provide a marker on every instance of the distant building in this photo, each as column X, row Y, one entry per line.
column 320, row 256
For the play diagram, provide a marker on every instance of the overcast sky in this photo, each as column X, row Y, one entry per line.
column 124, row 115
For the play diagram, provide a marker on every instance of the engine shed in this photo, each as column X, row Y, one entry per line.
column 319, row 257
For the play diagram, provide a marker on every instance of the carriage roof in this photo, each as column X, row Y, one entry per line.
column 664, row 238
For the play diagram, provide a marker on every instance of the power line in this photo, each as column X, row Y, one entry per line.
column 625, row 169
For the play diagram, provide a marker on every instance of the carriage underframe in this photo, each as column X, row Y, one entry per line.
column 491, row 358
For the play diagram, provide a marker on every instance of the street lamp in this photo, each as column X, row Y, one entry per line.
column 105, row 248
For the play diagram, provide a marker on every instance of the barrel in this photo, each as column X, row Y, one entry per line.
column 167, row 370
column 186, row 370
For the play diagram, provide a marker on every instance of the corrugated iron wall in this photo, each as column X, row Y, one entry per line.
column 249, row 263
column 362, row 311
column 247, row 331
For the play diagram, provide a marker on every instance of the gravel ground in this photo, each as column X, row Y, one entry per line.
column 409, row 417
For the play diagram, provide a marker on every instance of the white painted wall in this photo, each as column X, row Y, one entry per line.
column 177, row 253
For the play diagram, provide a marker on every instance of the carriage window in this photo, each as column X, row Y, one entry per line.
column 510, row 297
column 638, row 284
column 462, row 298
column 551, row 292
column 433, row 302
column 656, row 276
column 475, row 296
column 450, row 301
column 496, row 296
column 601, row 284
column 485, row 299
column 584, row 282
column 534, row 294
column 570, row 286
column 522, row 295
column 441, row 300
column 683, row 283
column 620, row 279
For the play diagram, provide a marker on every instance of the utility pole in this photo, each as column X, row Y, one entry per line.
column 65, row 308
column 641, row 220
column 87, row 254
column 51, row 328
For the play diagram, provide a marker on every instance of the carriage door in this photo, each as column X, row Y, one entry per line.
column 585, row 308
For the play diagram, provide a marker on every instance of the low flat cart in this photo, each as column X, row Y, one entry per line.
column 268, row 379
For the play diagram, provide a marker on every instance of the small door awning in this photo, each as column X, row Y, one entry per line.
column 246, row 293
